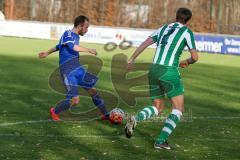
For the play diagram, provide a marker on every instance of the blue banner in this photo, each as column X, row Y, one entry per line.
column 217, row 44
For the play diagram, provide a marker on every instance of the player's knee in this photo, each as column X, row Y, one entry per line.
column 92, row 91
column 75, row 101
column 159, row 104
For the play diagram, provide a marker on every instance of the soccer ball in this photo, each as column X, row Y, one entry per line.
column 116, row 116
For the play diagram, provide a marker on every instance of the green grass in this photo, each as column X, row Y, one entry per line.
column 210, row 130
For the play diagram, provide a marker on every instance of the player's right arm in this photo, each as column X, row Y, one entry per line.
column 44, row 54
column 153, row 38
column 149, row 41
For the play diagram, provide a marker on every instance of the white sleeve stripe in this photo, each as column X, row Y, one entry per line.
column 189, row 42
column 68, row 42
column 156, row 33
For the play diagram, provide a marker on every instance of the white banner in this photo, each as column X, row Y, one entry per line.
column 25, row 29
column 98, row 34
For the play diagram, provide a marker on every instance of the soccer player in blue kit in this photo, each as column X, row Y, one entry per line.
column 72, row 73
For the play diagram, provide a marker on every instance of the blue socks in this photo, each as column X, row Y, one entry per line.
column 99, row 102
column 62, row 106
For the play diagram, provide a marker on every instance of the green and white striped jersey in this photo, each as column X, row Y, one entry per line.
column 171, row 40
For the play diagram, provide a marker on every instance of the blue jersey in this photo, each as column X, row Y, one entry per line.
column 72, row 73
column 68, row 58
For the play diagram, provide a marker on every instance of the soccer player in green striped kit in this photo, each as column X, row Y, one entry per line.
column 164, row 77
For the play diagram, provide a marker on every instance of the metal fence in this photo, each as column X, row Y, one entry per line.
column 216, row 16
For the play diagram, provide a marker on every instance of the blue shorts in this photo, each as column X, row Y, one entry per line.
column 79, row 77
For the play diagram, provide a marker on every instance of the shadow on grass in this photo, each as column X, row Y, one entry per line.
column 25, row 96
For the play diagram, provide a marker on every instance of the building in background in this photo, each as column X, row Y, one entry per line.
column 210, row 16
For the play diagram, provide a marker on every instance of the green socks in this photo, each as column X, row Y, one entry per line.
column 146, row 113
column 169, row 125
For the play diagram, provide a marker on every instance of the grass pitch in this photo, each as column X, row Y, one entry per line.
column 210, row 129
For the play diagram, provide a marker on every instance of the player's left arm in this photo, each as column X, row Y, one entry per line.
column 191, row 60
column 149, row 41
column 68, row 41
column 78, row 48
column 192, row 49
column 44, row 54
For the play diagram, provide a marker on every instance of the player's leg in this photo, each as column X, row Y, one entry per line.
column 99, row 102
column 87, row 81
column 144, row 114
column 150, row 111
column 62, row 106
column 177, row 99
column 171, row 122
column 159, row 104
column 72, row 97
column 156, row 94
column 66, row 104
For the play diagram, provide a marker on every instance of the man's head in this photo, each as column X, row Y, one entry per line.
column 81, row 24
column 183, row 15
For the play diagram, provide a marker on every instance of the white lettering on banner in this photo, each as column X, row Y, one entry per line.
column 207, row 46
column 232, row 42
column 227, row 41
column 233, row 50
column 235, row 42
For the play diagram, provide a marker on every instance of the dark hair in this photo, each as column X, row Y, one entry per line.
column 183, row 15
column 80, row 20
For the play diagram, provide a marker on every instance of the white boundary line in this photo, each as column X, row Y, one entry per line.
column 60, row 136
column 6, row 124
column 215, row 117
column 22, row 122
column 38, row 121
column 116, row 137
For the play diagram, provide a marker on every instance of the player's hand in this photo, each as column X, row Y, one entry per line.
column 93, row 51
column 129, row 64
column 183, row 64
column 42, row 55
